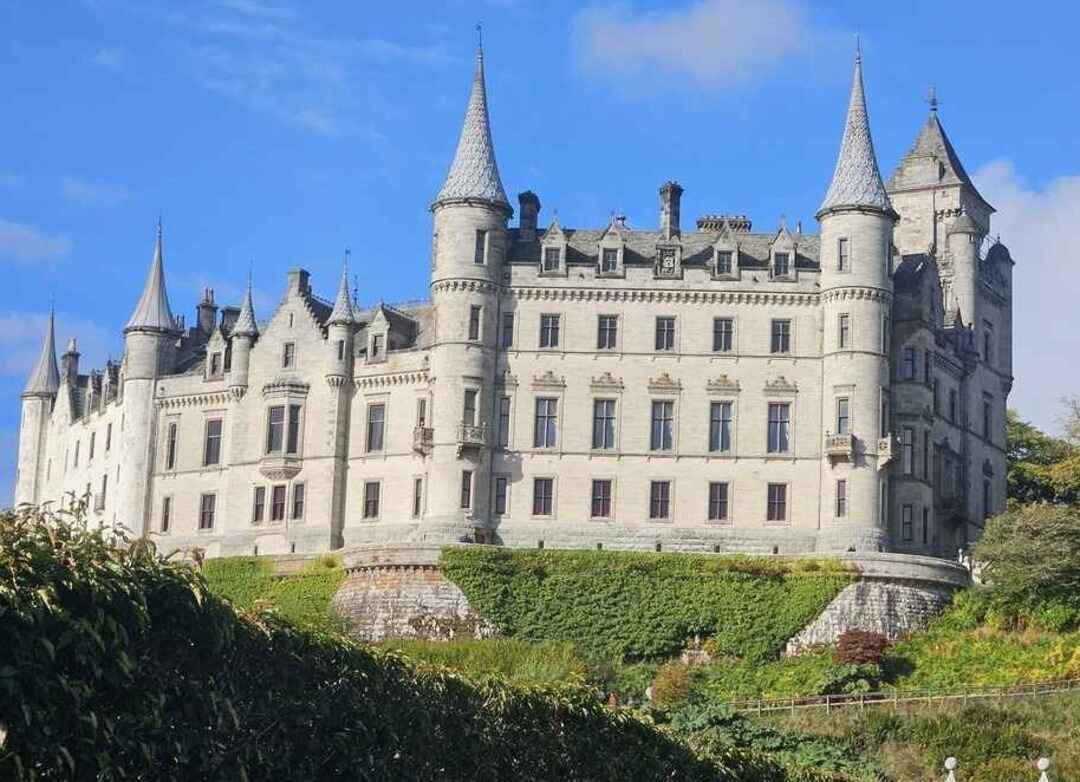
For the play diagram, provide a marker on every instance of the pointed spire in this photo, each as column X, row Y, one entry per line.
column 342, row 313
column 45, row 379
column 474, row 173
column 246, row 325
column 856, row 181
column 152, row 313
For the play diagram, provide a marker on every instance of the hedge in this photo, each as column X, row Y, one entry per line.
column 644, row 605
column 117, row 664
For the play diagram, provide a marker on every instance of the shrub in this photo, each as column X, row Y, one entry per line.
column 117, row 664
column 860, row 647
column 511, row 658
column 671, row 684
column 634, row 605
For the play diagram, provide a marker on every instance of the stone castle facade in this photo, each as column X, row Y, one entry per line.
column 706, row 388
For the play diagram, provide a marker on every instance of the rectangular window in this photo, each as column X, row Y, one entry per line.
column 288, row 355
column 908, row 365
column 417, row 497
column 660, row 500
column 421, row 412
column 468, row 410
column 777, row 502
column 926, row 455
column 277, row 502
column 781, row 264
column 987, row 418
column 841, row 497
column 170, row 447
column 507, row 330
column 779, row 427
column 341, row 350
column 936, row 401
column 607, row 332
column 371, row 499
column 843, row 337
column 781, row 336
column 907, row 443
column 609, row 260
column 298, row 501
column 207, row 503
column 108, row 438
column 504, row 422
column 907, row 513
column 952, row 405
column 718, row 501
column 466, row 489
column 723, row 335
column 552, row 255
column 166, row 513
column 376, row 345
column 502, row 485
column 884, row 423
column 275, row 429
column 601, row 499
column 258, row 505
column 480, row 248
column 212, row 447
column 665, row 333
column 885, row 337
column 543, row 496
column 549, row 331
column 842, row 262
column 215, row 363
column 603, row 430
column 988, row 342
column 376, row 425
column 724, row 261
column 546, row 430
column 93, row 439
column 292, row 442
column 661, row 435
column 474, row 323
column 720, row 420
column 843, row 415
column 925, row 525
column 104, row 489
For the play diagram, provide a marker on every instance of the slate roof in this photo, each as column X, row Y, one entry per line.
column 246, row 325
column 152, row 313
column 343, row 309
column 932, row 143
column 856, row 181
column 45, row 379
column 474, row 173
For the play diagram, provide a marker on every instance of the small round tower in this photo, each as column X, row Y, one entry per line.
column 242, row 336
column 37, row 403
column 857, row 221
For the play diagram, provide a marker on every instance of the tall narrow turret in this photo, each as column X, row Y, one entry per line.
column 243, row 335
column 37, row 403
column 856, row 253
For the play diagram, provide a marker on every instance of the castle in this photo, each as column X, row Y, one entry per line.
column 713, row 389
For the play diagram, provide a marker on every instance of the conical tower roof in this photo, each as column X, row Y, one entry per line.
column 342, row 314
column 45, row 379
column 856, row 181
column 152, row 313
column 246, row 325
column 474, row 173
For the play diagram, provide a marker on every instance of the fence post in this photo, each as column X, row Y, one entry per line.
column 828, row 704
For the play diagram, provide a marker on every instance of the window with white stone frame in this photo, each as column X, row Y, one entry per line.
column 475, row 311
column 600, row 501
column 278, row 496
column 283, row 429
column 609, row 260
column 907, row 516
column 779, row 427
column 546, row 425
column 781, row 264
column 843, row 261
column 721, row 424
column 725, row 262
column 543, row 496
column 662, row 429
column 258, row 505
column 665, row 333
column 718, row 501
column 841, row 497
column 212, row 444
column 780, row 336
column 552, row 259
column 372, row 497
column 607, row 332
column 549, row 331
column 207, row 508
column 776, row 502
column 603, row 433
column 660, row 500
column 298, row 498
column 480, row 248
column 502, row 495
column 376, row 426
column 723, row 335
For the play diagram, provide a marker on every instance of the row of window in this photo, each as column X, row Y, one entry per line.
column 91, row 449
column 283, row 423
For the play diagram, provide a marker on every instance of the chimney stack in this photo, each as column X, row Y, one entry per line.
column 670, row 196
column 207, row 312
column 69, row 362
column 528, row 210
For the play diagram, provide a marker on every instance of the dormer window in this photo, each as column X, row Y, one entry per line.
column 552, row 259
column 376, row 346
column 725, row 262
column 609, row 260
column 215, row 363
column 781, row 264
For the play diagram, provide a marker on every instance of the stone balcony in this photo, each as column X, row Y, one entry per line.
column 280, row 468
column 471, row 436
column 422, row 439
column 840, row 447
column 888, row 448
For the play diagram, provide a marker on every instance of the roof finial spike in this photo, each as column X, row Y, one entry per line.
column 480, row 38
column 858, row 49
column 932, row 99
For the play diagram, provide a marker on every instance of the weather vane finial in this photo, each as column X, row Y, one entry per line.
column 932, row 99
column 480, row 37
column 858, row 48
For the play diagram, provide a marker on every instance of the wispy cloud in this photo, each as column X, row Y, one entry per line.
column 111, row 58
column 25, row 244
column 92, row 193
column 10, row 180
column 384, row 50
column 1032, row 221
column 708, row 44
column 21, row 334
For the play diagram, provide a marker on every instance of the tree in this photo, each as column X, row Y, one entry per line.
column 1040, row 468
column 1031, row 554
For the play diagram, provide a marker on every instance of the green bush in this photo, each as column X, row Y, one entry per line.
column 513, row 659
column 117, row 664
column 616, row 605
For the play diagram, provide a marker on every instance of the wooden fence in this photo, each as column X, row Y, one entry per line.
column 894, row 698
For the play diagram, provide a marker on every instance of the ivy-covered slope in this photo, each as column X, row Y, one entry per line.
column 642, row 605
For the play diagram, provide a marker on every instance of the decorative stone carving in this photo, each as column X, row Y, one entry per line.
column 722, row 384
column 781, row 385
column 607, row 382
column 549, row 380
column 664, row 384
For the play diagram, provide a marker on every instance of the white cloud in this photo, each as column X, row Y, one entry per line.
column 712, row 44
column 111, row 58
column 92, row 193
column 1031, row 221
column 21, row 334
column 25, row 244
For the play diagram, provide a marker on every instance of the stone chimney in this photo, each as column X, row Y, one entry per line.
column 299, row 281
column 207, row 312
column 528, row 210
column 69, row 362
column 670, row 196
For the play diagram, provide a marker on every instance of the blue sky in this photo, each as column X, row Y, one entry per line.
column 276, row 133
